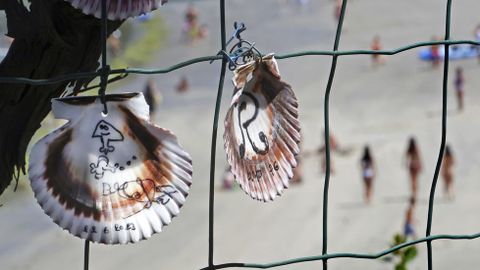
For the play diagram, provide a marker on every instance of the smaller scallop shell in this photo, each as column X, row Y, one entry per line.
column 112, row 178
column 262, row 132
column 116, row 9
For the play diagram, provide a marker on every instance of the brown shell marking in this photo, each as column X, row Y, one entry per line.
column 263, row 174
column 56, row 169
column 151, row 147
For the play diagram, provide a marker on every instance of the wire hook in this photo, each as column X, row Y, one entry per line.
column 239, row 28
column 241, row 52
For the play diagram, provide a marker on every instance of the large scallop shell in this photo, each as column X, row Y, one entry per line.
column 262, row 131
column 112, row 178
column 116, row 9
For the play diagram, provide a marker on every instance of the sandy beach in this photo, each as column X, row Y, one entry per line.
column 381, row 106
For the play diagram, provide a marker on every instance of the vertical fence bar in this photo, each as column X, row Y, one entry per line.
column 105, row 69
column 444, row 134
column 327, row 132
column 211, row 201
column 103, row 33
column 103, row 85
column 86, row 255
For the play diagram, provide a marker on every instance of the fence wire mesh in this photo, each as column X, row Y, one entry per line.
column 105, row 71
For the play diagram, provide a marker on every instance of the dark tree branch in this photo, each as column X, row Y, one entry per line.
column 52, row 39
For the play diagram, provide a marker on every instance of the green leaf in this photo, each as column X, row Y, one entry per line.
column 410, row 254
column 401, row 266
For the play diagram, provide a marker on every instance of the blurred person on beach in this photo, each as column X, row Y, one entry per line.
column 114, row 43
column 338, row 9
column 228, row 178
column 447, row 172
column 182, row 85
column 409, row 228
column 203, row 31
column 377, row 46
column 476, row 34
column 414, row 164
column 191, row 16
column 298, row 170
column 192, row 29
column 152, row 96
column 368, row 173
column 323, row 153
column 190, row 25
column 435, row 53
column 459, row 83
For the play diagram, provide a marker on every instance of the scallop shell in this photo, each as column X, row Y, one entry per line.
column 112, row 178
column 116, row 9
column 262, row 132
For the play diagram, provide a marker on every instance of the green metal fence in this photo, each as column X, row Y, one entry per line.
column 105, row 71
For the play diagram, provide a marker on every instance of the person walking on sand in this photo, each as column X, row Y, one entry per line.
column 228, row 179
column 476, row 33
column 183, row 85
column 298, row 170
column 191, row 27
column 459, row 83
column 435, row 53
column 377, row 46
column 368, row 172
column 338, row 9
column 114, row 43
column 414, row 164
column 409, row 228
column 447, row 172
column 322, row 150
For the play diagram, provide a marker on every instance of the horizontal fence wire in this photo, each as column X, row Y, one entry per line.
column 105, row 71
column 371, row 256
column 189, row 62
